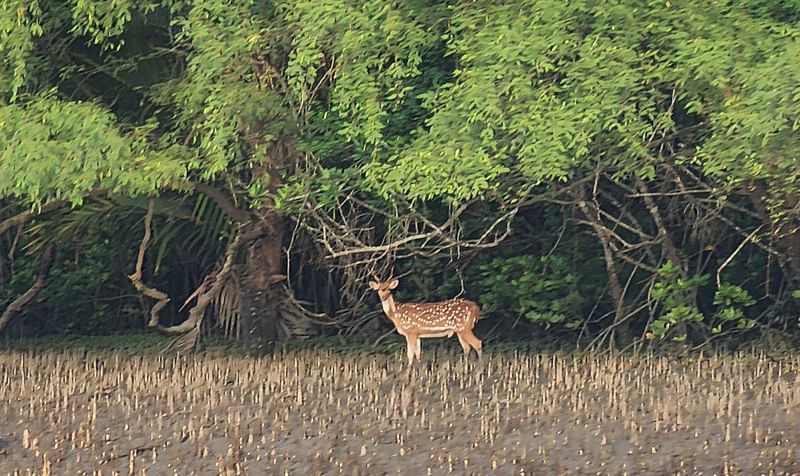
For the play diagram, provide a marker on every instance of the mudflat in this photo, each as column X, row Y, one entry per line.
column 320, row 412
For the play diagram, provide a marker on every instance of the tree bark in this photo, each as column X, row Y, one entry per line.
column 259, row 296
column 258, row 299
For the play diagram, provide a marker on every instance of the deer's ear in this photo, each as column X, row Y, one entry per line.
column 373, row 285
column 394, row 284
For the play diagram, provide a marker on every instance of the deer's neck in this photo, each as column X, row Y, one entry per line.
column 389, row 307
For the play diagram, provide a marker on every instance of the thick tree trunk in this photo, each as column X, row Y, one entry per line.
column 259, row 301
column 260, row 297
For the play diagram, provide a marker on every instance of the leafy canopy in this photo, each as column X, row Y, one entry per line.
column 423, row 101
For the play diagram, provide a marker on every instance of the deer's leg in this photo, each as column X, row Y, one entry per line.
column 410, row 345
column 418, row 349
column 464, row 343
column 474, row 342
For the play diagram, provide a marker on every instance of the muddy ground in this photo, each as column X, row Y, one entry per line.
column 308, row 412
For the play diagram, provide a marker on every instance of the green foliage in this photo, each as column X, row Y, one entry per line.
column 730, row 300
column 533, row 92
column 102, row 20
column 674, row 295
column 87, row 290
column 327, row 189
column 221, row 95
column 19, row 25
column 375, row 48
column 542, row 289
column 57, row 149
column 548, row 90
column 529, row 98
column 85, row 293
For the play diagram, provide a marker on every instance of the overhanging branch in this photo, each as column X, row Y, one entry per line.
column 28, row 215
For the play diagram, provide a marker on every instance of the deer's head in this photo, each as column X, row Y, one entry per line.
column 384, row 288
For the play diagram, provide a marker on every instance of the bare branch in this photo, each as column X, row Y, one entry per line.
column 740, row 231
column 20, row 302
column 663, row 235
column 28, row 215
column 602, row 233
column 669, row 194
column 383, row 248
column 162, row 299
column 735, row 252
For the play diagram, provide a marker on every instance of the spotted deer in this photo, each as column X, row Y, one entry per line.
column 435, row 319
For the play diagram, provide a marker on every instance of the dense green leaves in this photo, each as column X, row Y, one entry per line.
column 538, row 91
column 19, row 25
column 673, row 294
column 368, row 50
column 102, row 20
column 57, row 149
column 543, row 290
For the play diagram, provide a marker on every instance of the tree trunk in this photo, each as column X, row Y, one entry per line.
column 259, row 301
column 259, row 298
